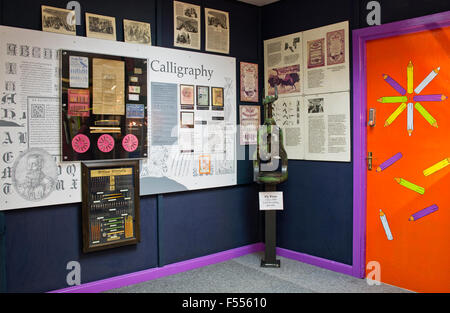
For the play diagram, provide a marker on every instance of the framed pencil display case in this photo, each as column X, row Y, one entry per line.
column 104, row 107
column 110, row 207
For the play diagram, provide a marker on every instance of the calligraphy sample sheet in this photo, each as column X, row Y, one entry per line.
column 108, row 87
column 249, row 82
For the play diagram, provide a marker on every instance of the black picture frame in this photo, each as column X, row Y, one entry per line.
column 110, row 204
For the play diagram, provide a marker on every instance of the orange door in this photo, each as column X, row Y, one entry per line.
column 411, row 237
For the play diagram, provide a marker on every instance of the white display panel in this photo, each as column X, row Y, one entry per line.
column 30, row 119
column 311, row 70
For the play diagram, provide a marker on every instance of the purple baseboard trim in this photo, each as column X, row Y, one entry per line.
column 316, row 261
column 154, row 273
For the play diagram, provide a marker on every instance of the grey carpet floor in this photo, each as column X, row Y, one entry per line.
column 244, row 275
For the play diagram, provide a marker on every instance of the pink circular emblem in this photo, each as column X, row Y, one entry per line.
column 130, row 142
column 80, row 143
column 105, row 143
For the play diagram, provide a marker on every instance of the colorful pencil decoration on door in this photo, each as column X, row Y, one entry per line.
column 430, row 119
column 386, row 227
column 410, row 119
column 407, row 94
column 438, row 97
column 392, row 99
column 424, row 212
column 395, row 114
column 410, row 77
column 389, row 162
column 436, row 167
column 427, row 80
column 409, row 185
column 394, row 84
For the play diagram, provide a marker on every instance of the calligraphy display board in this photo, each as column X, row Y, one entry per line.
column 110, row 212
column 192, row 147
column 104, row 106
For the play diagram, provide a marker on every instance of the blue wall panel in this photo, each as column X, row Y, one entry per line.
column 41, row 241
column 195, row 224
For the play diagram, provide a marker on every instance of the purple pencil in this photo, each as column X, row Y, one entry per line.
column 394, row 84
column 438, row 97
column 389, row 162
column 424, row 212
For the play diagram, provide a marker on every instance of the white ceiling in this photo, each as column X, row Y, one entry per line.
column 259, row 3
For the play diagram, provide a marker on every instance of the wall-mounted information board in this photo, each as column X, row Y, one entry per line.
column 191, row 116
column 110, row 212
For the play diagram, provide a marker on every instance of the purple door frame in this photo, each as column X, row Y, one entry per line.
column 360, row 37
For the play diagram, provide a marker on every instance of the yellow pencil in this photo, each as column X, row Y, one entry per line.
column 436, row 167
column 410, row 185
column 394, row 99
column 395, row 114
column 410, row 77
column 430, row 119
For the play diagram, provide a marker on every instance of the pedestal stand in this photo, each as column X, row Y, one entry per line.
column 270, row 234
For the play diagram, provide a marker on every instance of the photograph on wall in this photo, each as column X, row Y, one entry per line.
column 284, row 55
column 187, row 97
column 58, row 20
column 100, row 26
column 110, row 206
column 250, row 120
column 137, row 32
column 203, row 98
column 217, row 31
column 217, row 98
column 101, row 122
column 186, row 19
column 249, row 82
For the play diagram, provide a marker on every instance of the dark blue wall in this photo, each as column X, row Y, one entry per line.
column 174, row 227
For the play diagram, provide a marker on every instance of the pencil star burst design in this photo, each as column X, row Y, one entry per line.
column 410, row 98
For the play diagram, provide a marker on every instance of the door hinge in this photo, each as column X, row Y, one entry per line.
column 369, row 161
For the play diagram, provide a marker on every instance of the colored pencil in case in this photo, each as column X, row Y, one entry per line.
column 410, row 185
column 386, row 227
column 389, row 162
column 395, row 114
column 410, row 119
column 430, row 119
column 393, row 99
column 437, row 97
column 427, row 80
column 424, row 212
column 410, row 77
column 436, row 167
column 394, row 84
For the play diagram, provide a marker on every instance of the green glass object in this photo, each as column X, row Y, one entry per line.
column 270, row 162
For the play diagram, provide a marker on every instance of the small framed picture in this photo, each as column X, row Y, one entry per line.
column 100, row 26
column 203, row 98
column 56, row 20
column 217, row 98
column 249, row 82
column 187, row 97
column 187, row 119
column 137, row 32
column 204, row 164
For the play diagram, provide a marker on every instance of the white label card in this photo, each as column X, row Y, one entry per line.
column 272, row 200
